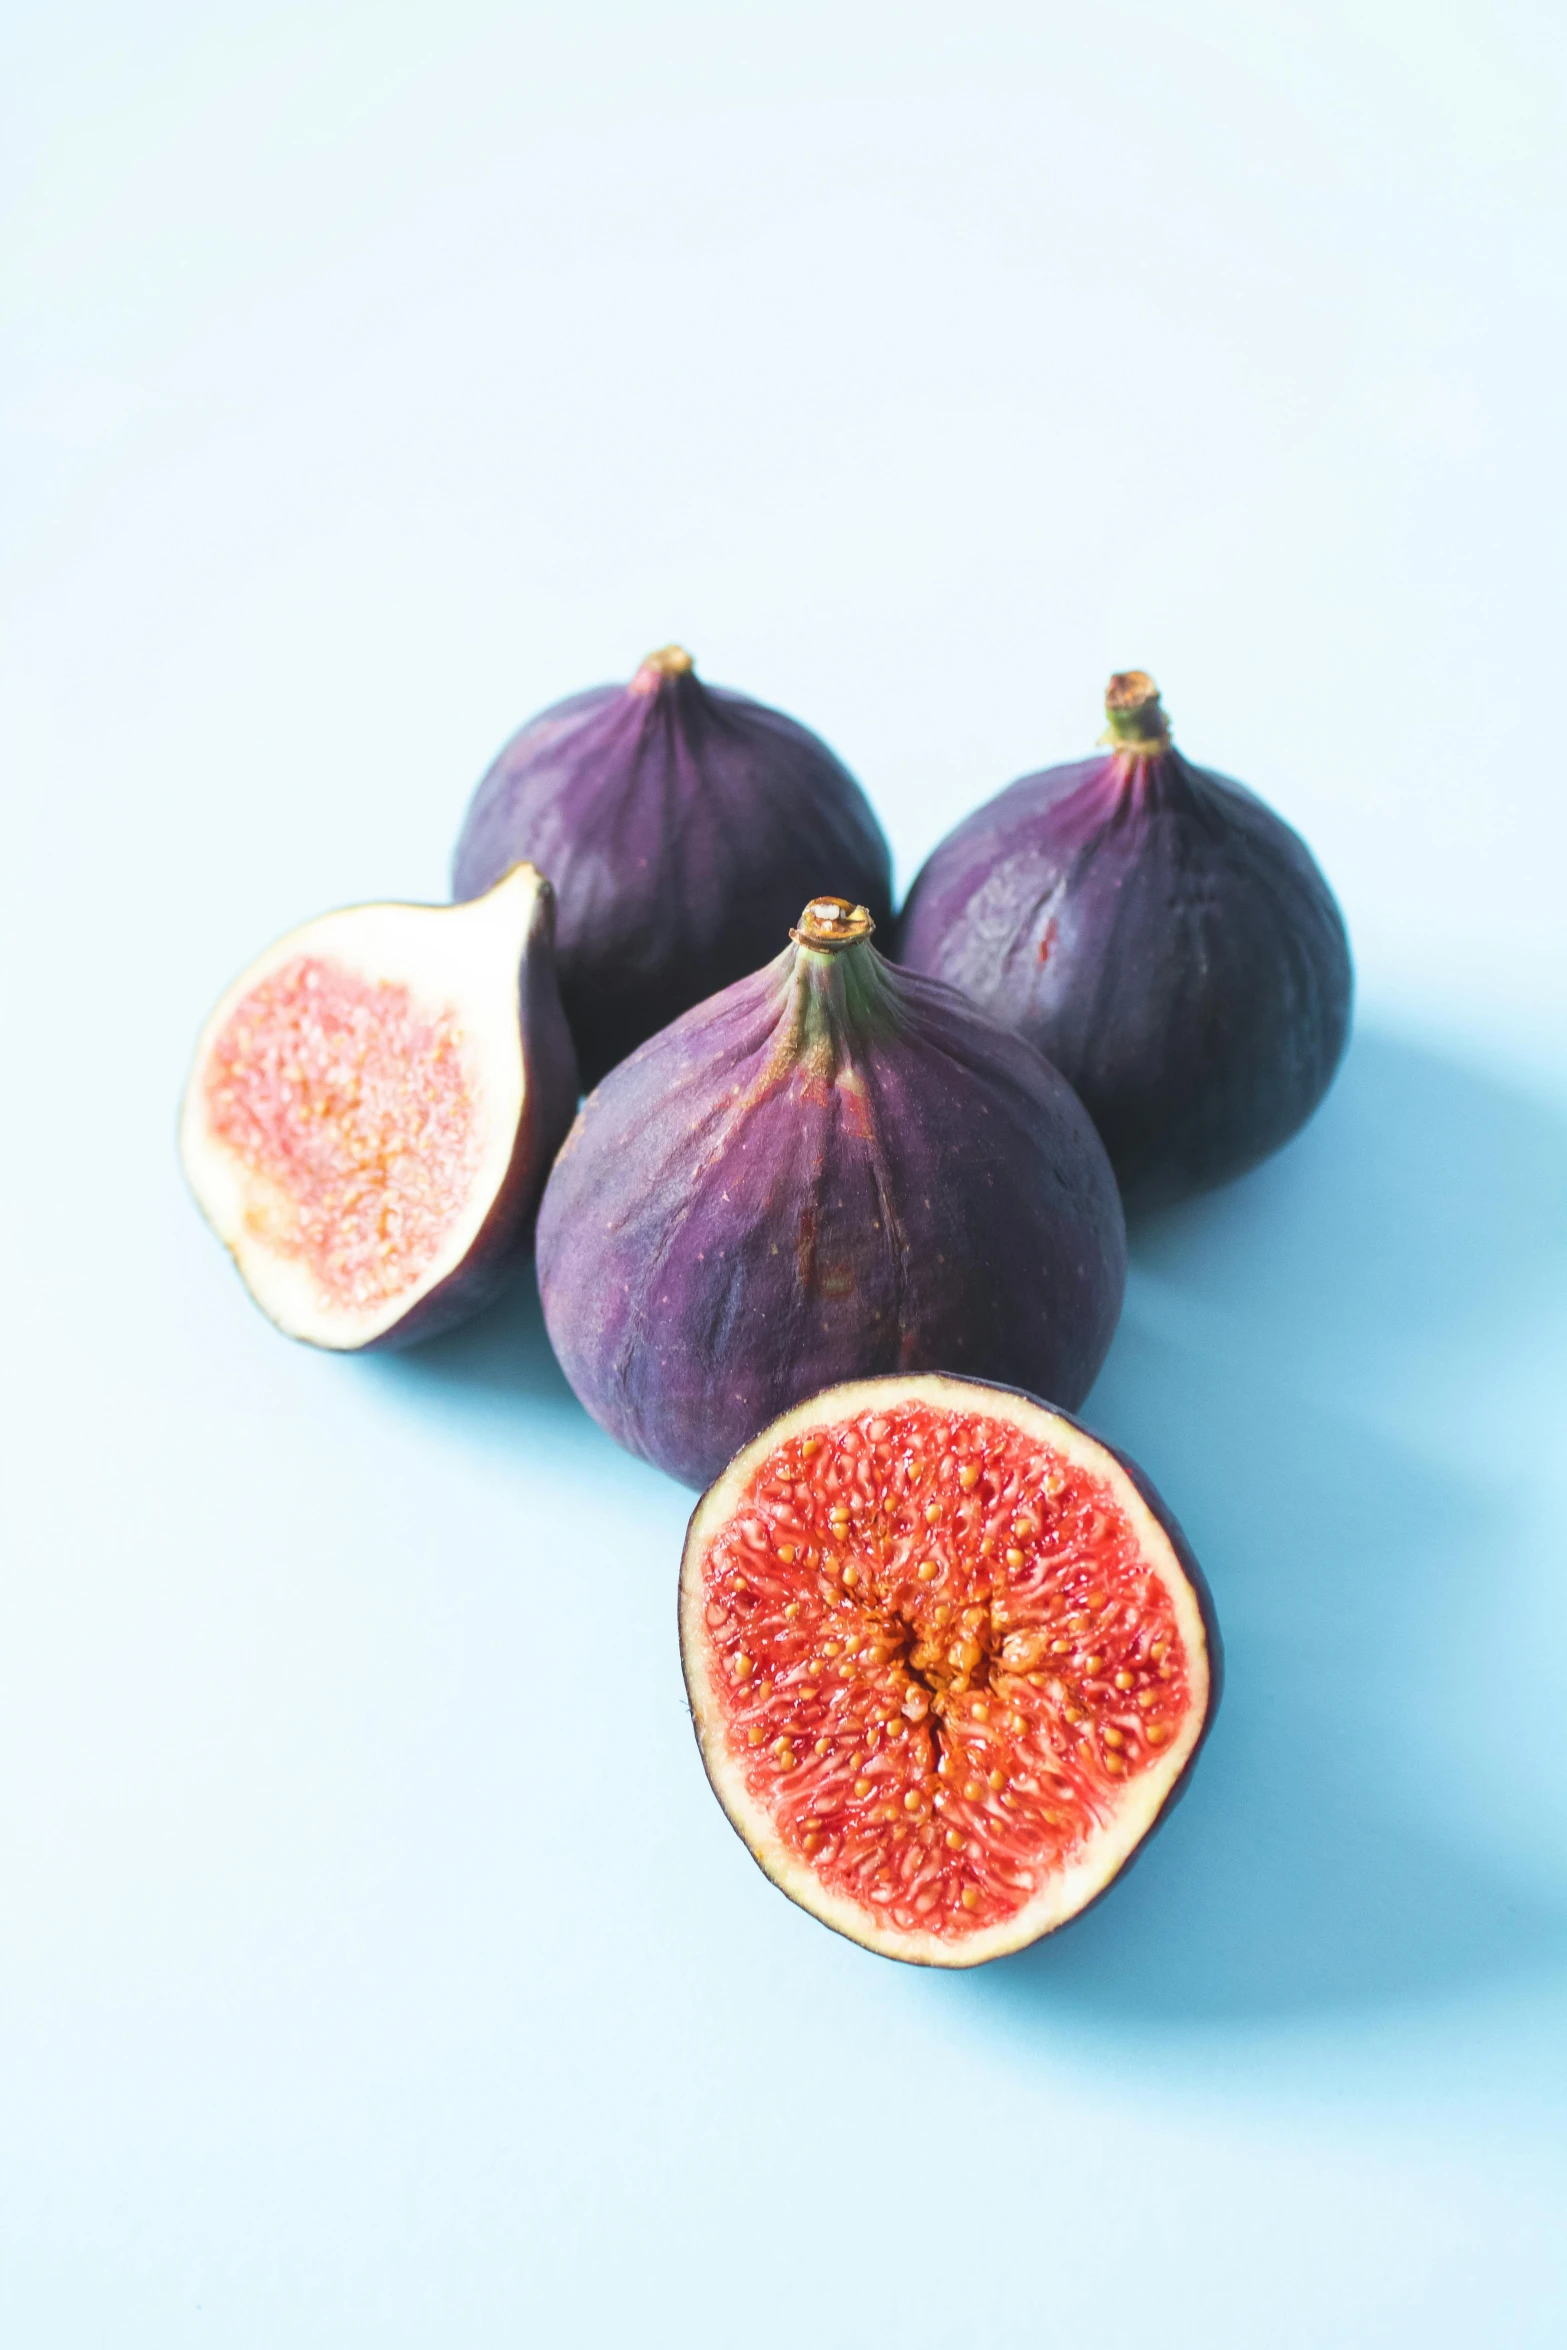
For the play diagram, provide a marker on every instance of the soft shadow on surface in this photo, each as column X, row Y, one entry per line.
column 501, row 1361
column 1423, row 1209
column 1331, row 1852
column 1295, row 1371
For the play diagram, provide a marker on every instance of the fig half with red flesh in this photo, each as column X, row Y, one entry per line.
column 373, row 1110
column 949, row 1661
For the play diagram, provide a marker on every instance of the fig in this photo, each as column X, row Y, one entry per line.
column 831, row 1169
column 949, row 1661
column 373, row 1109
column 682, row 826
column 1162, row 936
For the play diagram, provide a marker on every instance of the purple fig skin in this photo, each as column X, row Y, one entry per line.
column 1162, row 936
column 506, row 1236
column 683, row 827
column 832, row 1169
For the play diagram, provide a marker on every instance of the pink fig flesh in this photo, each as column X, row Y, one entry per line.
column 373, row 1108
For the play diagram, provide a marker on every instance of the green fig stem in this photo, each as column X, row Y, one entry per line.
column 1138, row 724
column 669, row 661
column 837, row 993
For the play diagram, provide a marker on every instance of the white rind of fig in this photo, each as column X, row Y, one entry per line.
column 1143, row 1801
column 485, row 967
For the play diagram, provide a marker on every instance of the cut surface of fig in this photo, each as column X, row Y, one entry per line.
column 683, row 825
column 949, row 1661
column 1161, row 935
column 373, row 1108
column 833, row 1169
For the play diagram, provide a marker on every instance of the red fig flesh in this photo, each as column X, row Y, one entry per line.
column 949, row 1662
column 373, row 1108
column 832, row 1169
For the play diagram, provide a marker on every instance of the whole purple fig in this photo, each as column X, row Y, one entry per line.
column 834, row 1169
column 682, row 827
column 1157, row 931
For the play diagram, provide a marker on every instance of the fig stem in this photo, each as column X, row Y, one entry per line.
column 668, row 661
column 1137, row 717
column 832, row 923
column 834, row 1003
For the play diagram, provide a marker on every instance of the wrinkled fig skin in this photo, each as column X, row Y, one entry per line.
column 683, row 828
column 835, row 1168
column 506, row 1235
column 1166, row 940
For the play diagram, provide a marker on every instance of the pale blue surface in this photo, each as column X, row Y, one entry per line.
column 375, row 1967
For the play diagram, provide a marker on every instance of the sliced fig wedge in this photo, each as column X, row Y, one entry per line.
column 949, row 1661
column 373, row 1109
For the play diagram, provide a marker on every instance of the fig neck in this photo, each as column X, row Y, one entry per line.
column 838, row 995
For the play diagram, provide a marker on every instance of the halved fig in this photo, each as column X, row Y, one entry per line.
column 949, row 1662
column 373, row 1110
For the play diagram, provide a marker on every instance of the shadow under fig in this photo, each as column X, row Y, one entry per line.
column 500, row 1363
column 1419, row 1215
column 1294, row 1372
column 1332, row 1850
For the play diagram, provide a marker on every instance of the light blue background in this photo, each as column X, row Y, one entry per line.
column 374, row 1965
